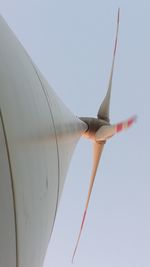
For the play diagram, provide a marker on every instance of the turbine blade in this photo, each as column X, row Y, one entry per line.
column 103, row 112
column 108, row 131
column 97, row 151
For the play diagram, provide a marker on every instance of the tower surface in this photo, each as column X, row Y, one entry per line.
column 37, row 138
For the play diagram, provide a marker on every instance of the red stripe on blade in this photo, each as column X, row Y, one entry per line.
column 83, row 219
column 130, row 122
column 119, row 127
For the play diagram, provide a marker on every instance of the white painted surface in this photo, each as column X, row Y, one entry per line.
column 7, row 218
column 41, row 135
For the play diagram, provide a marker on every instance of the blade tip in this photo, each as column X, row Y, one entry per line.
column 132, row 120
column 118, row 14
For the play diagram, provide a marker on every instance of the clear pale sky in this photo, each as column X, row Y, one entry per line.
column 71, row 42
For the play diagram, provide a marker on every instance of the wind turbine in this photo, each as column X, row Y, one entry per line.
column 38, row 134
column 99, row 130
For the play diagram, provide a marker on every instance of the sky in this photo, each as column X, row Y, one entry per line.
column 71, row 42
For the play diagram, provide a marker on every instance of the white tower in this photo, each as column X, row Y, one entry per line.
column 37, row 137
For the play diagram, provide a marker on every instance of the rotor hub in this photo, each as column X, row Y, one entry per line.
column 93, row 124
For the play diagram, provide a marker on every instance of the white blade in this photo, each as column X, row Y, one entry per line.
column 103, row 112
column 108, row 131
column 97, row 151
